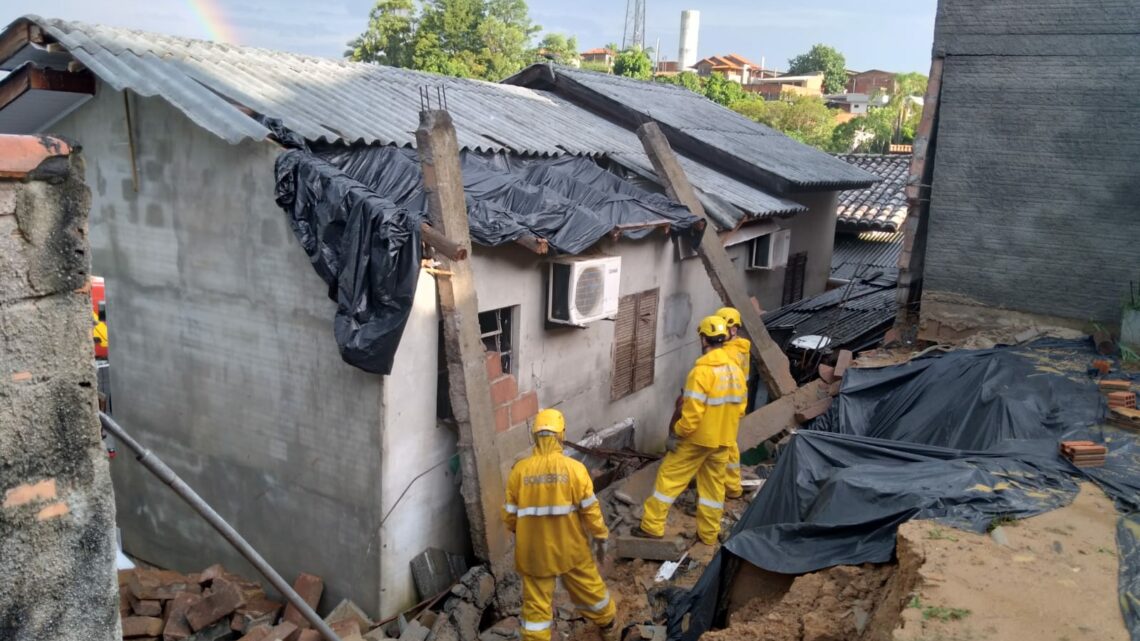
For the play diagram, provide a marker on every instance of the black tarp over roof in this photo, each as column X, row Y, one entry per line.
column 963, row 438
column 357, row 212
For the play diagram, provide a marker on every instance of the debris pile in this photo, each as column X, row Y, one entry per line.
column 1121, row 404
column 1084, row 453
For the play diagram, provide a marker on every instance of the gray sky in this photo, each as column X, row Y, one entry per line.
column 894, row 35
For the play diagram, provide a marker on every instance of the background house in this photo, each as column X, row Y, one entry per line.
column 224, row 360
column 871, row 82
column 599, row 56
column 1031, row 219
column 732, row 66
column 773, row 88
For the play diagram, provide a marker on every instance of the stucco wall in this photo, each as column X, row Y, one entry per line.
column 223, row 359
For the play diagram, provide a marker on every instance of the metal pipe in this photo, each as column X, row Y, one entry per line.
column 186, row 493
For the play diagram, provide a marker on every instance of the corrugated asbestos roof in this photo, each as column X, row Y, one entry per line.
column 880, row 207
column 724, row 129
column 216, row 85
column 869, row 251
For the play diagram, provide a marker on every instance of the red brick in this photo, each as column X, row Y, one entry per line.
column 177, row 627
column 256, row 633
column 524, row 408
column 309, row 635
column 827, row 373
column 257, row 610
column 494, row 362
column 310, row 587
column 224, row 597
column 1122, row 399
column 146, row 607
column 504, row 390
column 161, row 584
column 811, row 411
column 502, row 418
column 141, row 627
column 346, row 628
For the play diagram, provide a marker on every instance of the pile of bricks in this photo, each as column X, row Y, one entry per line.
column 1121, row 404
column 1084, row 453
column 213, row 605
column 511, row 407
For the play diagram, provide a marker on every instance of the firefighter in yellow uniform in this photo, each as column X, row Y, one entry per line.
column 550, row 508
column 714, row 399
column 742, row 348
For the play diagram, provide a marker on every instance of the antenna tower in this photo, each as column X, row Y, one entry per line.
column 634, row 34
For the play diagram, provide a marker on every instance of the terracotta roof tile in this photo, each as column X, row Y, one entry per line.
column 882, row 206
column 21, row 155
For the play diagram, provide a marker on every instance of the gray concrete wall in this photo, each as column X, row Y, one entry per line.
column 1033, row 202
column 223, row 359
column 57, row 550
column 813, row 232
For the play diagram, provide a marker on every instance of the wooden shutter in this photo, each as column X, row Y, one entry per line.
column 635, row 344
column 794, row 277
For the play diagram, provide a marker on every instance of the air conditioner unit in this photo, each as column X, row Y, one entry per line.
column 583, row 289
column 770, row 250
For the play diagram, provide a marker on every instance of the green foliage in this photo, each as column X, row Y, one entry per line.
column 910, row 84
column 804, row 118
column 388, row 39
column 822, row 58
column 999, row 521
column 686, row 79
column 720, row 89
column 633, row 63
column 487, row 39
column 937, row 611
column 564, row 50
column 600, row 67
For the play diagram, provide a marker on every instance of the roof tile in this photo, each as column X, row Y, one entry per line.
column 880, row 207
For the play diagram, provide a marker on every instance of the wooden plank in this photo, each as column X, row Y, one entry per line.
column 469, row 389
column 441, row 243
column 726, row 278
column 912, row 259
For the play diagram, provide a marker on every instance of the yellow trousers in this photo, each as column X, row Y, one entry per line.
column 587, row 591
column 732, row 486
column 677, row 469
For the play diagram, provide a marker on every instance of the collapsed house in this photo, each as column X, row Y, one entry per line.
column 225, row 360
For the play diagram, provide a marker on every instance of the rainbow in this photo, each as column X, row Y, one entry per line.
column 209, row 13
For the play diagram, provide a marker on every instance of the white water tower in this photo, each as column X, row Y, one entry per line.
column 690, row 26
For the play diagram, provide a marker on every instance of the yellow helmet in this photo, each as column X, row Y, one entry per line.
column 713, row 327
column 730, row 316
column 549, row 421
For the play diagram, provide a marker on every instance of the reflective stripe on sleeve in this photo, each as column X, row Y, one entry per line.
column 713, row 504
column 667, row 500
column 547, row 510
column 537, row 626
column 725, row 400
column 588, row 501
column 695, row 395
column 511, row 508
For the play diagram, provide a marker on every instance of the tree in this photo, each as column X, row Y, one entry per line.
column 487, row 39
column 910, row 84
column 388, row 39
column 822, row 58
column 720, row 89
column 558, row 47
column 633, row 63
column 686, row 79
column 804, row 118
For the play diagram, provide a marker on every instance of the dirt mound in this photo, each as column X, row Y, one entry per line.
column 843, row 603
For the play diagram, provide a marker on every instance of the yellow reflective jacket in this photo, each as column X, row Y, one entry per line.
column 550, row 507
column 715, row 398
column 742, row 348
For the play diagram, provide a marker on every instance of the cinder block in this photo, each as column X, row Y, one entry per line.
column 633, row 547
column 524, row 408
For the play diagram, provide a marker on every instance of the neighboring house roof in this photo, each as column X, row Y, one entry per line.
column 866, row 254
column 881, row 207
column 704, row 129
column 599, row 51
column 731, row 61
column 854, row 316
column 221, row 87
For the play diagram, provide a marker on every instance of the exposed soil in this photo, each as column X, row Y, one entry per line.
column 1055, row 582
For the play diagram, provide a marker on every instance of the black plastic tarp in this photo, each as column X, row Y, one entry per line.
column 357, row 212
column 963, row 437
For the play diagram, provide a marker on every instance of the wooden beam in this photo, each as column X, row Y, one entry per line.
column 482, row 488
column 27, row 78
column 16, row 37
column 913, row 256
column 726, row 278
column 534, row 243
column 441, row 243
